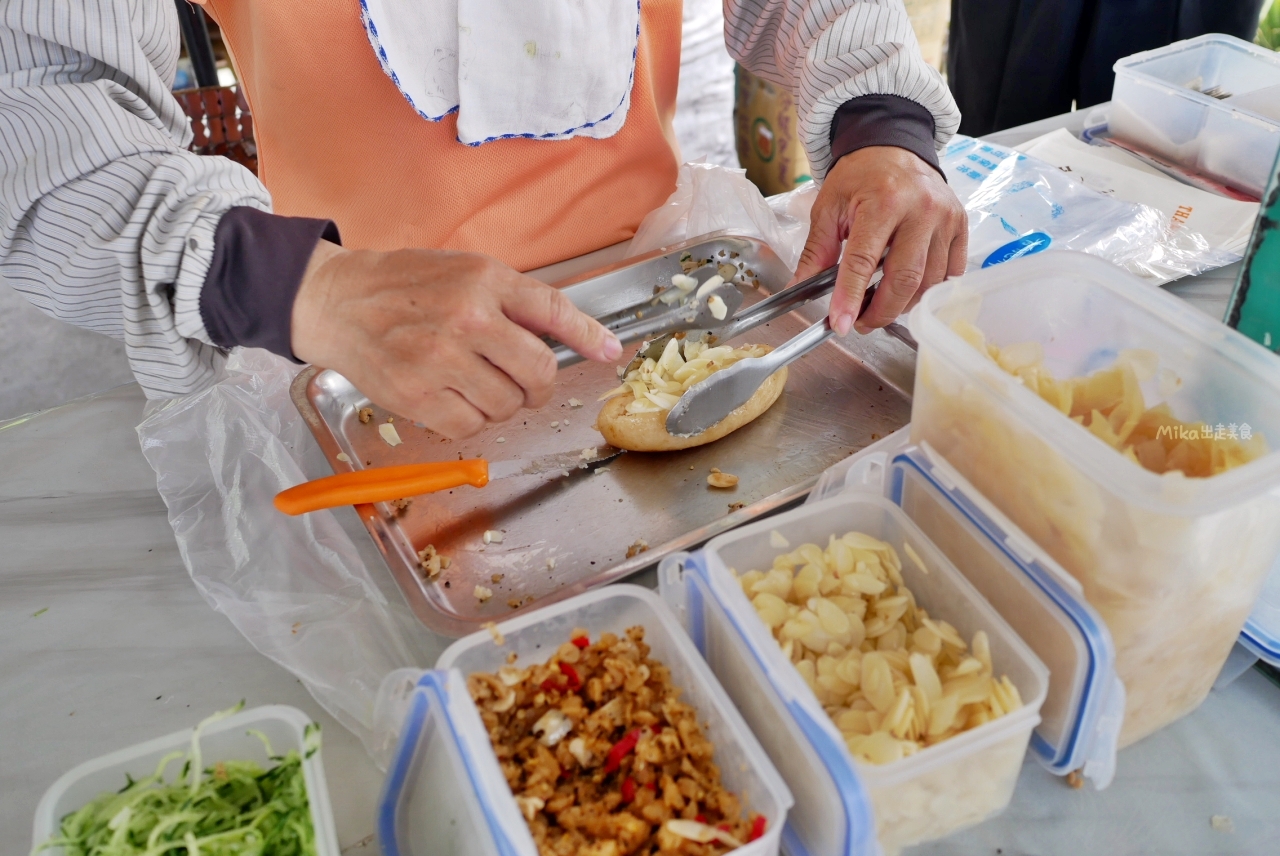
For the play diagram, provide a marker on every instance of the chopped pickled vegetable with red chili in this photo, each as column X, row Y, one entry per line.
column 602, row 756
column 572, row 674
column 622, row 749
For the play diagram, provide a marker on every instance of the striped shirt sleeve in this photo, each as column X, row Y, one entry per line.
column 106, row 220
column 828, row 52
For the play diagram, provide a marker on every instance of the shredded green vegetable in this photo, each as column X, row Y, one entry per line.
column 233, row 808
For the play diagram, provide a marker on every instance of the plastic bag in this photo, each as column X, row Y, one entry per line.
column 294, row 586
column 1019, row 205
column 713, row 198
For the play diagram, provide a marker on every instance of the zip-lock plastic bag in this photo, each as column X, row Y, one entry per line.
column 1019, row 205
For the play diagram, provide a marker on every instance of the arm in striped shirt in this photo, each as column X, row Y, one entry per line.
column 106, row 221
column 832, row 52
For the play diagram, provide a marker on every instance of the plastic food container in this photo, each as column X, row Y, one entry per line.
column 843, row 806
column 1174, row 565
column 224, row 740
column 1235, row 139
column 445, row 791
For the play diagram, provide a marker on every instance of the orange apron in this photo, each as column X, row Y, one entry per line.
column 337, row 140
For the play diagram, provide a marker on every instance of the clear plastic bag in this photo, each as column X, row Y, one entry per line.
column 713, row 198
column 296, row 587
column 1019, row 205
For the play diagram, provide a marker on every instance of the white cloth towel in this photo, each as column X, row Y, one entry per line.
column 546, row 69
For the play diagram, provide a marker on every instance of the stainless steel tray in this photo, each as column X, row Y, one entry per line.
column 562, row 536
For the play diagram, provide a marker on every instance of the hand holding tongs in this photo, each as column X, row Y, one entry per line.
column 772, row 307
column 709, row 401
column 653, row 317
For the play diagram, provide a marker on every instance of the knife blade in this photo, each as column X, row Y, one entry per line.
column 587, row 459
column 383, row 484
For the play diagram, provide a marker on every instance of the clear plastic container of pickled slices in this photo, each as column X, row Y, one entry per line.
column 1173, row 562
column 445, row 790
column 952, row 550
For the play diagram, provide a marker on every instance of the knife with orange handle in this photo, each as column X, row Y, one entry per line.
column 383, row 484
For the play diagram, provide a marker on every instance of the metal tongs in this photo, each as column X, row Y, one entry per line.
column 658, row 317
column 708, row 402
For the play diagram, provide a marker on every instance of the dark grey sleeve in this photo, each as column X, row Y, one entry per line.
column 258, row 263
column 884, row 120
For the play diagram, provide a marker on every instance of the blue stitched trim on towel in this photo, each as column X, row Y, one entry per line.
column 371, row 30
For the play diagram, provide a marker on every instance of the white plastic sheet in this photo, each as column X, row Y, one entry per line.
column 294, row 586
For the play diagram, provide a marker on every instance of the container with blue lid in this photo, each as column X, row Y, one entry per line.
column 445, row 791
column 1261, row 634
column 983, row 575
column 1173, row 563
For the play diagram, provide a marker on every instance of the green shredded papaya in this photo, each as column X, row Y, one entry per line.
column 232, row 808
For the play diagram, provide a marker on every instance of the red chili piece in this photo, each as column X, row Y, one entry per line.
column 572, row 674
column 580, row 641
column 724, row 827
column 651, row 786
column 628, row 789
column 757, row 827
column 621, row 749
column 701, row 818
column 549, row 684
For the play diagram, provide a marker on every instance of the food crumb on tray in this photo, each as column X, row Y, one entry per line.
column 431, row 562
column 1221, row 823
column 365, row 414
column 492, row 536
column 401, row 505
column 498, row 638
column 482, row 594
column 721, row 480
column 389, row 434
column 637, row 547
column 603, row 757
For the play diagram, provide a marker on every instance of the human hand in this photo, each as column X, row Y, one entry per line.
column 444, row 338
column 878, row 197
